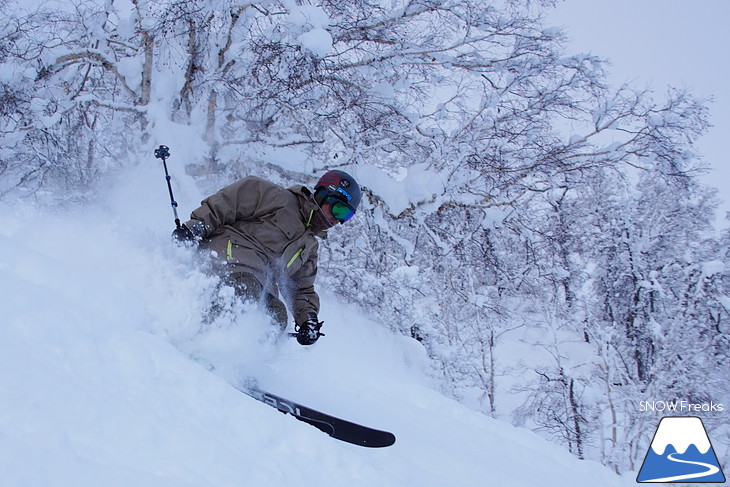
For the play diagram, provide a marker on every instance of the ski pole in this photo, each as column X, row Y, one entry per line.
column 163, row 152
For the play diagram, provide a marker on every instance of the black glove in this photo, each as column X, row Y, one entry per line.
column 308, row 332
column 189, row 234
column 183, row 234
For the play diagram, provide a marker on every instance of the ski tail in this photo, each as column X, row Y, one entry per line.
column 337, row 428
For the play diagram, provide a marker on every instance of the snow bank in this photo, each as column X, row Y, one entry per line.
column 109, row 378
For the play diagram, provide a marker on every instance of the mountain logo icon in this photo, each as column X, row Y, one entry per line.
column 681, row 452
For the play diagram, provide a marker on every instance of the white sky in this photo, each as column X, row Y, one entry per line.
column 660, row 43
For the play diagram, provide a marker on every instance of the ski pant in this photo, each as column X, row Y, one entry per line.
column 248, row 287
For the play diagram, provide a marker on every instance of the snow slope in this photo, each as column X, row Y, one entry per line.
column 108, row 377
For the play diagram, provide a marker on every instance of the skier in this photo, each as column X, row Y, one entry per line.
column 264, row 236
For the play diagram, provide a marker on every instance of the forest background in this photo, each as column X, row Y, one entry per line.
column 543, row 235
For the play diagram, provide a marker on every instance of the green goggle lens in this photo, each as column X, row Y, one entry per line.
column 340, row 210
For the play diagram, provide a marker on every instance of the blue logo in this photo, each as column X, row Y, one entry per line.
column 345, row 194
column 681, row 452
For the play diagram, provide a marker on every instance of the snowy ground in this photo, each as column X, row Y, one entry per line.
column 108, row 378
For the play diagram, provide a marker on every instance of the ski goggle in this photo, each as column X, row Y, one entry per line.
column 339, row 209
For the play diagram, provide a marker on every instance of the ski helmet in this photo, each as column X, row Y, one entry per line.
column 341, row 186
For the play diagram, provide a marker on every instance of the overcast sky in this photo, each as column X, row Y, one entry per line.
column 659, row 43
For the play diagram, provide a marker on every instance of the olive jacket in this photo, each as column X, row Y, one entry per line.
column 257, row 227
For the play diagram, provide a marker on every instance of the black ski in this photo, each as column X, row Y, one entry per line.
column 340, row 429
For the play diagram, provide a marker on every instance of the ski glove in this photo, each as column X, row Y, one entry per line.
column 308, row 332
column 192, row 233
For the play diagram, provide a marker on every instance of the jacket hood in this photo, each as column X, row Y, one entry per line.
column 307, row 206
